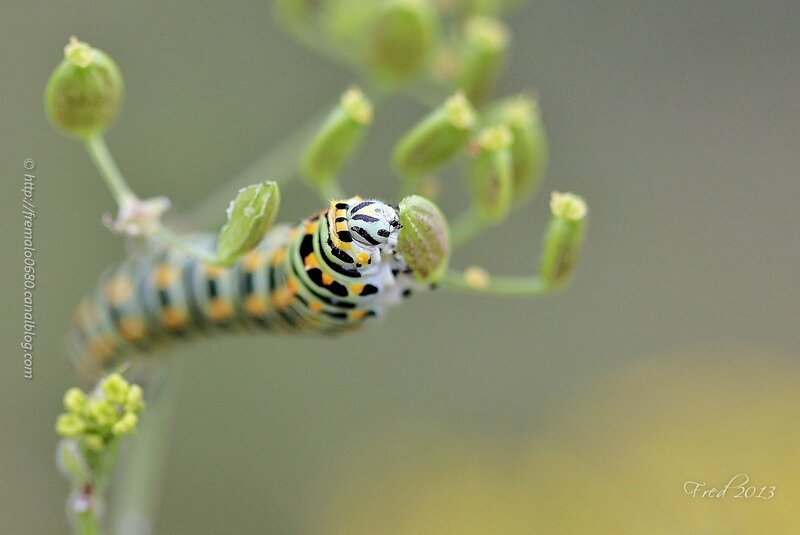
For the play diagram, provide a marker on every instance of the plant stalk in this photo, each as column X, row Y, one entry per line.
column 101, row 156
column 136, row 499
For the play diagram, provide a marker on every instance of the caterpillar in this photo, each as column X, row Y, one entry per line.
column 329, row 273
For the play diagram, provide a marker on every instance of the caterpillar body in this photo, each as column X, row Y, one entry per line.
column 327, row 274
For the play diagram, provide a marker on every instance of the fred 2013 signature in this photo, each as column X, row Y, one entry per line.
column 737, row 487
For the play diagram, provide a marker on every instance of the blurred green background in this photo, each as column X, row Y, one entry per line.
column 680, row 124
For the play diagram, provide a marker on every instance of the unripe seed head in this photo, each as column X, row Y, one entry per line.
column 85, row 92
column 484, row 50
column 529, row 149
column 337, row 139
column 563, row 239
column 490, row 176
column 424, row 240
column 402, row 37
column 250, row 215
column 435, row 139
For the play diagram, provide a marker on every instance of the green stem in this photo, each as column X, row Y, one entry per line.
column 87, row 523
column 137, row 495
column 425, row 92
column 429, row 94
column 466, row 227
column 509, row 286
column 104, row 161
column 90, row 520
column 174, row 240
column 312, row 41
column 278, row 165
column 409, row 184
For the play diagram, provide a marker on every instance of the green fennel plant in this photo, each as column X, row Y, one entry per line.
column 446, row 55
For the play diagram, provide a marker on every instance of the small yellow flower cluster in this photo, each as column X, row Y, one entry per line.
column 110, row 411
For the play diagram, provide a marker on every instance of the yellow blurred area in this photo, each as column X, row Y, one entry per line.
column 615, row 461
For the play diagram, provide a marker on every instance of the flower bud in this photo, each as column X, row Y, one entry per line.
column 250, row 215
column 485, row 45
column 102, row 411
column 74, row 400
column 70, row 425
column 94, row 420
column 84, row 93
column 563, row 238
column 476, row 277
column 400, row 40
column 126, row 425
column 529, row 149
column 424, row 240
column 135, row 400
column 435, row 139
column 337, row 138
column 490, row 174
column 71, row 461
column 114, row 388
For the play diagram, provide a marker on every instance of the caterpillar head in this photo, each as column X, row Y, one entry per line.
column 373, row 223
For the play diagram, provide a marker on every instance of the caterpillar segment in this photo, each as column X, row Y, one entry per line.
column 327, row 274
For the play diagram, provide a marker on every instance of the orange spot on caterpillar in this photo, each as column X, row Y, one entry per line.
column 219, row 310
column 213, row 271
column 278, row 256
column 356, row 288
column 164, row 275
column 310, row 261
column 118, row 290
column 173, row 318
column 255, row 305
column 254, row 260
column 132, row 329
column 282, row 298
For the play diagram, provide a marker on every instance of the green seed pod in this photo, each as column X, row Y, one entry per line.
column 435, row 139
column 345, row 22
column 485, row 45
column 400, row 40
column 490, row 176
column 563, row 238
column 424, row 240
column 250, row 215
column 337, row 139
column 84, row 94
column 529, row 149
